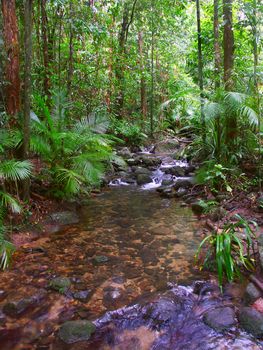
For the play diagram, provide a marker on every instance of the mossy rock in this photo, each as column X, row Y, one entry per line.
column 75, row 331
column 60, row 284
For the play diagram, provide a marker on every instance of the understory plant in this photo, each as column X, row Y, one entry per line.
column 12, row 171
column 231, row 122
column 75, row 155
column 229, row 251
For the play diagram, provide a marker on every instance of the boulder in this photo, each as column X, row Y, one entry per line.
column 220, row 319
column 143, row 179
column 252, row 293
column 185, row 182
column 167, row 182
column 60, row 284
column 75, row 331
column 176, row 171
column 141, row 170
column 251, row 321
column 125, row 153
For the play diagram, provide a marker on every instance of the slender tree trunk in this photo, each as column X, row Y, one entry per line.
column 200, row 69
column 127, row 20
column 120, row 61
column 231, row 120
column 228, row 44
column 217, row 58
column 143, row 83
column 71, row 51
column 10, row 34
column 46, row 58
column 217, row 45
column 152, row 71
column 27, row 86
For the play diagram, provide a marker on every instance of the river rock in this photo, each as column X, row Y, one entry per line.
column 141, row 170
column 252, row 293
column 220, row 319
column 198, row 208
column 185, row 182
column 251, row 321
column 60, row 284
column 260, row 249
column 149, row 161
column 181, row 192
column 2, row 318
column 143, row 179
column 166, row 191
column 17, row 308
column 176, row 171
column 64, row 218
column 82, row 295
column 217, row 214
column 75, row 331
column 168, row 145
column 167, row 182
column 125, row 153
column 100, row 259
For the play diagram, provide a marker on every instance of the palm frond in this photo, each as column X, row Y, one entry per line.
column 15, row 170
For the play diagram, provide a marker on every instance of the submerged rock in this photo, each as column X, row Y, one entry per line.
column 220, row 319
column 82, row 295
column 64, row 218
column 75, row 331
column 251, row 321
column 60, row 284
column 100, row 259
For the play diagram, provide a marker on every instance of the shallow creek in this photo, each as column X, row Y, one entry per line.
column 124, row 260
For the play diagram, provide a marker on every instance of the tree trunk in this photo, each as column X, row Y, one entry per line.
column 217, row 58
column 228, row 44
column 200, row 69
column 143, row 83
column 231, row 119
column 71, row 51
column 152, row 71
column 217, row 45
column 10, row 33
column 27, row 87
column 127, row 20
column 44, row 28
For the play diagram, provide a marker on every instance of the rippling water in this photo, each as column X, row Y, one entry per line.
column 130, row 245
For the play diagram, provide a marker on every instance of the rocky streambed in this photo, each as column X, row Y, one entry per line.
column 122, row 274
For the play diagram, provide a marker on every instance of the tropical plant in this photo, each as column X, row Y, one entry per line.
column 216, row 176
column 130, row 132
column 229, row 250
column 75, row 155
column 12, row 171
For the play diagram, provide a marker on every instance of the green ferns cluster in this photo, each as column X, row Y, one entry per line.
column 12, row 171
column 75, row 155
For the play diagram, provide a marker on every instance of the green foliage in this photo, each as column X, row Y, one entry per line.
column 11, row 172
column 130, row 132
column 214, row 176
column 76, row 156
column 228, row 250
